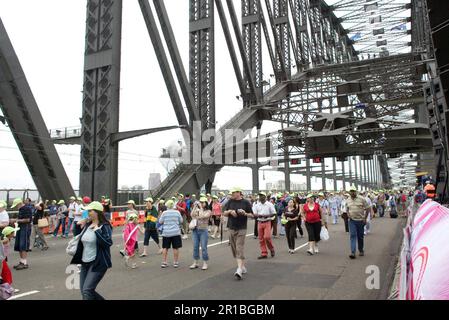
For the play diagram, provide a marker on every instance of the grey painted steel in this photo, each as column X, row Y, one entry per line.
column 231, row 48
column 117, row 137
column 176, row 59
column 202, row 60
column 28, row 127
column 247, row 70
column 252, row 41
column 164, row 65
column 101, row 96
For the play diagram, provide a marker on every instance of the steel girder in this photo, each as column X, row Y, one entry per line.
column 101, row 95
column 28, row 127
column 202, row 60
column 252, row 39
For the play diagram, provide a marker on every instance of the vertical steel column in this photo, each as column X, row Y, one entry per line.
column 315, row 23
column 334, row 170
column 101, row 96
column 362, row 183
column 356, row 181
column 350, row 170
column 280, row 14
column 299, row 13
column 202, row 60
column 252, row 40
column 343, row 172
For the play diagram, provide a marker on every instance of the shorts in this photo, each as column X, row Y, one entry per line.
column 237, row 241
column 174, row 242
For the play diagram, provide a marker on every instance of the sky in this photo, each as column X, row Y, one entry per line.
column 48, row 37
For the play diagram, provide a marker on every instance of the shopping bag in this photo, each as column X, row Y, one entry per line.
column 324, row 234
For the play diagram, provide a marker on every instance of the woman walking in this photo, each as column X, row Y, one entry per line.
column 299, row 203
column 39, row 240
column 313, row 216
column 216, row 216
column 94, row 251
column 291, row 214
column 202, row 214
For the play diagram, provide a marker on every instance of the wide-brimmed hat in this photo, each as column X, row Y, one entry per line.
column 8, row 230
column 16, row 202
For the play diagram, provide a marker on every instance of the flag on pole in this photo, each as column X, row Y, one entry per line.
column 357, row 36
column 399, row 27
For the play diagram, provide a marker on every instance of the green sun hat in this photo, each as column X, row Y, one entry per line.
column 310, row 195
column 95, row 205
column 321, row 194
column 170, row 204
column 8, row 230
column 262, row 194
column 149, row 199
column 236, row 189
column 203, row 199
column 61, row 202
column 352, row 188
column 16, row 202
column 131, row 202
column 3, row 204
column 214, row 197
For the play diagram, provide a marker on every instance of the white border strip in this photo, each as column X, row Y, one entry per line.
column 23, row 295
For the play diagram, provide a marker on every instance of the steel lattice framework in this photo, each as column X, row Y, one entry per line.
column 352, row 68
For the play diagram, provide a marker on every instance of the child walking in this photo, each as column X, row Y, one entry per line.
column 130, row 236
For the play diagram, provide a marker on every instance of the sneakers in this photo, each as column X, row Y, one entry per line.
column 122, row 252
column 316, row 250
column 143, row 255
column 205, row 267
column 262, row 257
column 185, row 237
column 272, row 254
column 291, row 251
column 194, row 265
column 352, row 256
column 164, row 265
column 175, row 264
column 310, row 252
column 212, row 236
column 361, row 254
column 238, row 274
column 21, row 266
column 244, row 270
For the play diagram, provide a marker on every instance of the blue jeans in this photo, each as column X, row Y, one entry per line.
column 200, row 236
column 89, row 281
column 356, row 231
column 69, row 226
column 60, row 222
column 282, row 231
column 381, row 210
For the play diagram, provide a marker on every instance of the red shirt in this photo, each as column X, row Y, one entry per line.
column 181, row 207
column 313, row 215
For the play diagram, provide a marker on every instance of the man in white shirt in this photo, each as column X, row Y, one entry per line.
column 72, row 209
column 333, row 205
column 264, row 212
column 4, row 216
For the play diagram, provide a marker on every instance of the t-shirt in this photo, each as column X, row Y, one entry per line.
column 72, row 209
column 89, row 240
column 356, row 208
column 171, row 220
column 265, row 211
column 38, row 214
column 151, row 218
column 240, row 222
column 25, row 213
column 78, row 213
column 4, row 217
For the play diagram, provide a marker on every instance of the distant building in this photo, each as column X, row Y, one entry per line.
column 280, row 186
column 154, row 181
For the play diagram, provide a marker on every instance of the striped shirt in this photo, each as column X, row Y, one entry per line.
column 170, row 219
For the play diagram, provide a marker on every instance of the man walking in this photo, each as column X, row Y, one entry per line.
column 264, row 212
column 357, row 209
column 333, row 204
column 238, row 210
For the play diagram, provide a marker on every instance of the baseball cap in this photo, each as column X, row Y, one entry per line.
column 86, row 200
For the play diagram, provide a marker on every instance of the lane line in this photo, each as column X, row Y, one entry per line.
column 23, row 295
column 226, row 241
column 301, row 246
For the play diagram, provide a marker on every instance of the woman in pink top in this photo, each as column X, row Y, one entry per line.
column 216, row 215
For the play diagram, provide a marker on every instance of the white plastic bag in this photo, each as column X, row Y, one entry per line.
column 324, row 234
column 193, row 224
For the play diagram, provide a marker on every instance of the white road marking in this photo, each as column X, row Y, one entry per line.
column 23, row 295
column 302, row 246
column 226, row 241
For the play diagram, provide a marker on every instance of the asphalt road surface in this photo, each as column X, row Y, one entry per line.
column 327, row 275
